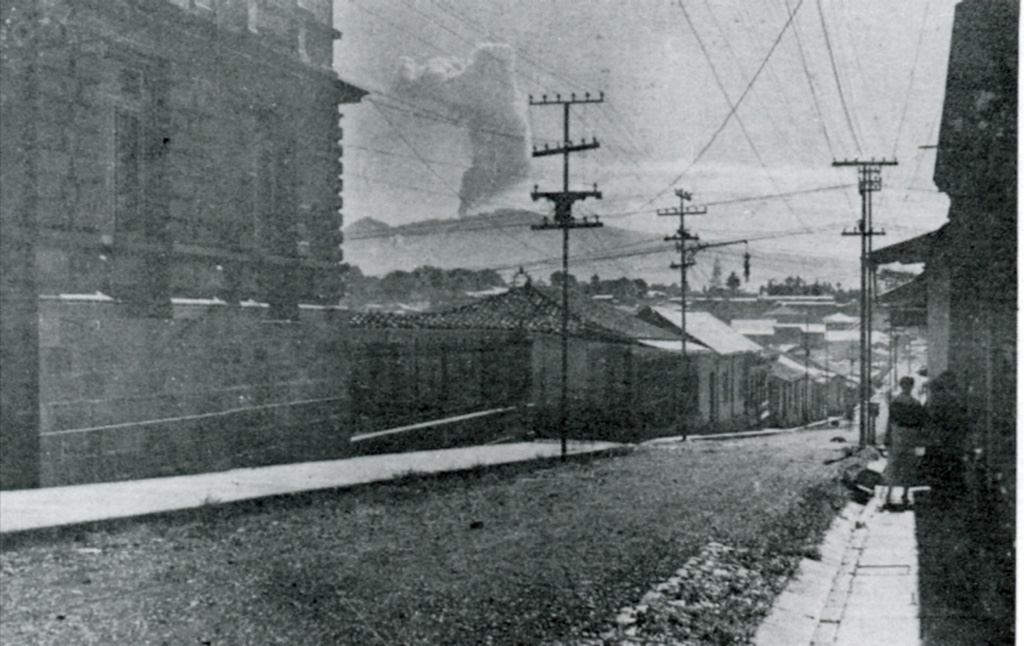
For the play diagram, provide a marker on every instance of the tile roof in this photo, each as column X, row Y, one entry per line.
column 529, row 309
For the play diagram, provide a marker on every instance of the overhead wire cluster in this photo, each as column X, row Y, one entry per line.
column 626, row 146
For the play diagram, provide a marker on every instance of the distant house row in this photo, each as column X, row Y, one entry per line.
column 626, row 378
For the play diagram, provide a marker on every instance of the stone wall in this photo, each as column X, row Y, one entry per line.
column 219, row 386
column 182, row 156
column 213, row 387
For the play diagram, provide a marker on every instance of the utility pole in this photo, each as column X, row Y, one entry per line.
column 869, row 174
column 681, row 237
column 563, row 219
column 894, row 355
column 828, row 380
column 807, row 365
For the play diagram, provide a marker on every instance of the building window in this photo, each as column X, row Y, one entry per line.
column 128, row 171
column 127, row 178
column 264, row 193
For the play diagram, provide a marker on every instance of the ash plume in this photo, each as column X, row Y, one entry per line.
column 483, row 98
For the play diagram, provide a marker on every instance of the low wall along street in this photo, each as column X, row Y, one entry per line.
column 222, row 386
column 211, row 388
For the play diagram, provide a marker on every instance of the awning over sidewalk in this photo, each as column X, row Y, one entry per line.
column 909, row 251
column 911, row 294
column 908, row 303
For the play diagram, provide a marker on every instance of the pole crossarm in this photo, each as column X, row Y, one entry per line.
column 564, row 197
column 681, row 236
column 558, row 100
column 865, row 162
column 872, row 232
column 567, row 223
column 686, row 210
column 567, row 147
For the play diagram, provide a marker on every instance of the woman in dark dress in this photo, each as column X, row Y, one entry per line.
column 903, row 439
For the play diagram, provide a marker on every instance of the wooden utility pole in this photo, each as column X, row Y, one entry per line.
column 869, row 174
column 563, row 219
column 681, row 237
column 808, row 400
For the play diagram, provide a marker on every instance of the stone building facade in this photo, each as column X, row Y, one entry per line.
column 171, row 220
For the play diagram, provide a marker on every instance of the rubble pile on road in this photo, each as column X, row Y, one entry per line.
column 710, row 600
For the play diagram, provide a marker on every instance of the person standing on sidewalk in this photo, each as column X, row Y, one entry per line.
column 904, row 439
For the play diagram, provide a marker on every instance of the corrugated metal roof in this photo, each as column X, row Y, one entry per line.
column 675, row 346
column 853, row 335
column 815, row 373
column 754, row 327
column 785, row 373
column 909, row 251
column 783, row 310
column 840, row 317
column 809, row 328
column 838, row 336
column 712, row 332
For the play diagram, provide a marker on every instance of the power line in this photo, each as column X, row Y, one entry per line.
column 423, row 160
column 520, row 53
column 552, row 73
column 725, row 93
column 733, row 108
column 401, row 185
column 739, row 200
column 835, row 74
column 910, row 82
column 810, row 85
column 432, row 227
column 391, row 153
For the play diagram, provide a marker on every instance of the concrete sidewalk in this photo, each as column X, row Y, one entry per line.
column 863, row 589
column 30, row 509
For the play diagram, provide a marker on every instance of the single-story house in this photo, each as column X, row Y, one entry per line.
column 726, row 394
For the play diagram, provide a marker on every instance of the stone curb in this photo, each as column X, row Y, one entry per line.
column 813, row 426
column 234, row 487
column 801, row 607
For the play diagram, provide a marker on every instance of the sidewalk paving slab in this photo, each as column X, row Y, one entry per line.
column 872, row 596
column 31, row 509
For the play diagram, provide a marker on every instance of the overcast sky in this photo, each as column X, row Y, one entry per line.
column 670, row 72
